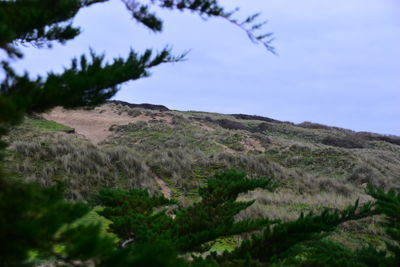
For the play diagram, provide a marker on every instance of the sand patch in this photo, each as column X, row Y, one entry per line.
column 94, row 124
column 251, row 144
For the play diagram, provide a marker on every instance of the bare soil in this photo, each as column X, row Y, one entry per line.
column 94, row 124
column 251, row 144
column 164, row 188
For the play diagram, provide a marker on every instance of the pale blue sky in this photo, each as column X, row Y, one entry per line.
column 338, row 63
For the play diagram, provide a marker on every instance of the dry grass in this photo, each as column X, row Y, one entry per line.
column 288, row 205
column 184, row 148
column 316, row 166
column 83, row 167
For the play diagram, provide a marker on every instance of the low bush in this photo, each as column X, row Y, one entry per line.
column 312, row 125
column 378, row 137
column 231, row 125
column 347, row 141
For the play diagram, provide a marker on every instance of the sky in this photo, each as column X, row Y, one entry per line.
column 338, row 62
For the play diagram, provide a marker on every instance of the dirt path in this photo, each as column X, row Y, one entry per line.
column 164, row 188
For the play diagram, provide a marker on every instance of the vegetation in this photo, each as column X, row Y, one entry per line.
column 133, row 217
column 53, row 210
column 45, row 125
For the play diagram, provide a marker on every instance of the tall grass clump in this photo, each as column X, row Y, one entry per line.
column 82, row 166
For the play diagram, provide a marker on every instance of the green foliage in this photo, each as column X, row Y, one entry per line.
column 225, row 244
column 30, row 218
column 90, row 77
column 94, row 218
column 140, row 220
column 226, row 186
column 152, row 254
column 276, row 241
column 213, row 216
column 388, row 203
column 134, row 216
column 44, row 125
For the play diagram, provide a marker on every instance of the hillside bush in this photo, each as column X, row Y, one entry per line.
column 312, row 125
column 231, row 125
column 347, row 141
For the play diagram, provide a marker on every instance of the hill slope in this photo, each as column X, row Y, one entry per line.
column 173, row 152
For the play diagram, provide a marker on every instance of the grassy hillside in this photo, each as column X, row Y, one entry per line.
column 173, row 152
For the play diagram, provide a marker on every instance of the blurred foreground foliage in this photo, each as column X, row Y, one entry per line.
column 155, row 231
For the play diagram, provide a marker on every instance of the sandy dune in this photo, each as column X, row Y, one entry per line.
column 93, row 124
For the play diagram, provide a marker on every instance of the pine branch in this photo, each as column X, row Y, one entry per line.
column 36, row 21
column 87, row 82
column 206, row 9
column 277, row 240
column 211, row 8
column 388, row 204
